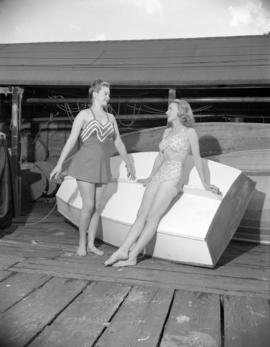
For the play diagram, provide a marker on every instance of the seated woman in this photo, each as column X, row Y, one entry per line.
column 164, row 183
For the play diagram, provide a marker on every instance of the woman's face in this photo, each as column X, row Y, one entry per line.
column 172, row 112
column 102, row 96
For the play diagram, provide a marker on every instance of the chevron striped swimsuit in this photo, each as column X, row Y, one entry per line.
column 92, row 162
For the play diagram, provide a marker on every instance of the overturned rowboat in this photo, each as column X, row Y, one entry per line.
column 196, row 229
column 245, row 146
column 255, row 163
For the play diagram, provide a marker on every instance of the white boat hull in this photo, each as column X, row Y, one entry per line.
column 196, row 229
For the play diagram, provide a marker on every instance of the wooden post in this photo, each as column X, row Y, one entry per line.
column 2, row 122
column 172, row 95
column 16, row 148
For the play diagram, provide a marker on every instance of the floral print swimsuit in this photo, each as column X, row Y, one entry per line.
column 175, row 149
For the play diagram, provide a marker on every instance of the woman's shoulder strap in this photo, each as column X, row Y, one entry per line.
column 93, row 113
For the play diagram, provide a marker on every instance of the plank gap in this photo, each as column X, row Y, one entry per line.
column 222, row 322
column 57, row 314
column 13, row 264
column 26, row 295
column 166, row 319
column 111, row 318
column 87, row 284
column 10, row 274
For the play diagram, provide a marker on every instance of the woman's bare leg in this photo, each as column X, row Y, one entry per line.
column 87, row 191
column 165, row 195
column 137, row 227
column 100, row 203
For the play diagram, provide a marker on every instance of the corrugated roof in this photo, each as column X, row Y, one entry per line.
column 167, row 62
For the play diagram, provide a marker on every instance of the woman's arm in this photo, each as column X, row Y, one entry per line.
column 195, row 149
column 160, row 157
column 157, row 163
column 121, row 148
column 74, row 134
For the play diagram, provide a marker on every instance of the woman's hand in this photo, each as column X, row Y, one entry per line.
column 56, row 172
column 213, row 189
column 145, row 181
column 131, row 173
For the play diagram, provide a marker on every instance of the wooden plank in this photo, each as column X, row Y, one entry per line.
column 140, row 319
column 14, row 252
column 194, row 320
column 57, row 233
column 84, row 320
column 65, row 236
column 247, row 321
column 151, row 100
column 246, row 254
column 4, row 275
column 238, row 259
column 181, row 62
column 249, row 234
column 55, row 236
column 45, row 230
column 214, row 137
column 255, row 164
column 243, row 269
column 178, row 276
column 259, row 270
column 7, row 260
column 243, row 262
column 25, row 320
column 17, row 286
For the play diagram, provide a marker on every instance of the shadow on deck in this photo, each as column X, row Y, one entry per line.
column 50, row 297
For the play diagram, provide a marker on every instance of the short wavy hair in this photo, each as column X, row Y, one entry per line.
column 184, row 112
column 96, row 86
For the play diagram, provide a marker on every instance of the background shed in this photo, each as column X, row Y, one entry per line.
column 44, row 85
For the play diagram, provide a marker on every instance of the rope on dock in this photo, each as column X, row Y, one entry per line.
column 40, row 220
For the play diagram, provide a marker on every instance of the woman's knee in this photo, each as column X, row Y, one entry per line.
column 88, row 206
column 98, row 209
column 161, row 205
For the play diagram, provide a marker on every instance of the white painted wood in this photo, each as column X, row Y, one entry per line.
column 183, row 232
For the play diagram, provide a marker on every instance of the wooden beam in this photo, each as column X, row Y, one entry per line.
column 16, row 148
column 6, row 90
column 10, row 90
column 26, row 122
column 120, row 100
column 149, row 100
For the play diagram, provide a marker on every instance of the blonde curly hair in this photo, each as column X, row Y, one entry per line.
column 184, row 112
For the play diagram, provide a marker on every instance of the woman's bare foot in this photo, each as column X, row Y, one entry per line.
column 95, row 250
column 129, row 262
column 116, row 256
column 81, row 251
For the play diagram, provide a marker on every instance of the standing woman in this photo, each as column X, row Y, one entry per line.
column 164, row 182
column 90, row 166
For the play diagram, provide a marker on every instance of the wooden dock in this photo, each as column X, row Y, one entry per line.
column 50, row 297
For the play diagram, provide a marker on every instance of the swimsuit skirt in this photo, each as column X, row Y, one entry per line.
column 92, row 162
